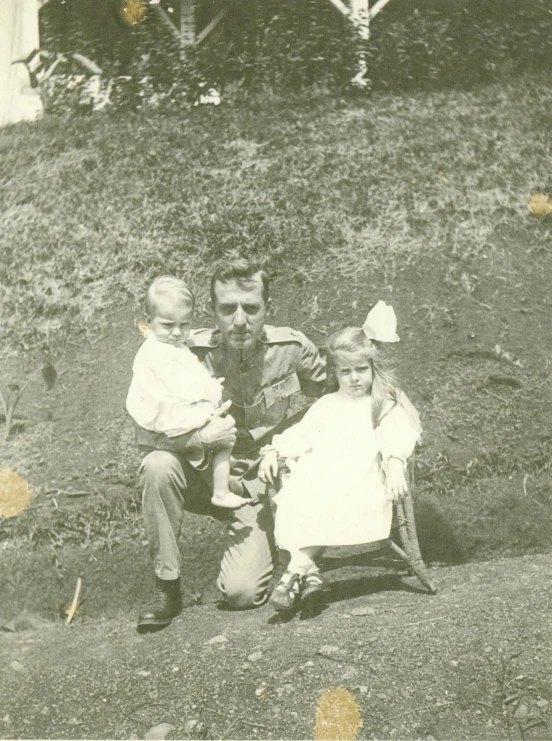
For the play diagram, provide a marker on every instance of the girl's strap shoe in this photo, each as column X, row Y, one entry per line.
column 312, row 585
column 286, row 591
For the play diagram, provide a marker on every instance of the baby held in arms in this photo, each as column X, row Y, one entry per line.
column 171, row 392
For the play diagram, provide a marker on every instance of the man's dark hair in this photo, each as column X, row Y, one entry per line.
column 243, row 272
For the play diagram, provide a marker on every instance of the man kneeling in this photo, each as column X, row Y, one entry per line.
column 261, row 367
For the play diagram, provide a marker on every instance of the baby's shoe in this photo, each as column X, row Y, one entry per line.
column 286, row 591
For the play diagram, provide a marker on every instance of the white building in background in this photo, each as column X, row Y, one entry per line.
column 18, row 38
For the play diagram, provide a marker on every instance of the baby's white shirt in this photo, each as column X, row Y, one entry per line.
column 171, row 391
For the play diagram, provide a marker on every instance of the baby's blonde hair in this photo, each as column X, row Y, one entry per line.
column 384, row 382
column 167, row 286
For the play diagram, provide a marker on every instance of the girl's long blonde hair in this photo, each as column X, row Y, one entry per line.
column 384, row 383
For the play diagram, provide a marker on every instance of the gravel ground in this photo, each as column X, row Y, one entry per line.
column 472, row 662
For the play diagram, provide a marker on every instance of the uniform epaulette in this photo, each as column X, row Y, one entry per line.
column 280, row 334
column 203, row 338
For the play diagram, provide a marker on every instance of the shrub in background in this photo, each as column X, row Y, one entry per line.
column 439, row 43
column 289, row 45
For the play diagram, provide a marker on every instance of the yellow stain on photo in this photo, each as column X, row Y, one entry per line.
column 338, row 716
column 133, row 12
column 15, row 493
column 540, row 204
column 142, row 328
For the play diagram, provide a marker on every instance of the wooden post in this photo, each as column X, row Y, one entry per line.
column 380, row 5
column 187, row 23
column 184, row 33
column 340, row 5
column 164, row 18
column 211, row 25
column 360, row 16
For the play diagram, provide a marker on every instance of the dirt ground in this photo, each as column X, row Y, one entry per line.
column 476, row 366
column 472, row 662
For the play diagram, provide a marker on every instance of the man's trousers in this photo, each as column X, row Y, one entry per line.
column 170, row 485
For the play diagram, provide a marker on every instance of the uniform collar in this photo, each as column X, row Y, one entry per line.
column 216, row 341
column 211, row 339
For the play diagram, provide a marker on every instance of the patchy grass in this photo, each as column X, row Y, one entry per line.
column 93, row 208
column 422, row 200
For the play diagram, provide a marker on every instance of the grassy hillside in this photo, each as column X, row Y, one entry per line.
column 422, row 200
column 93, row 207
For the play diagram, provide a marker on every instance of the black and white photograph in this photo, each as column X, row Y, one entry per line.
column 275, row 370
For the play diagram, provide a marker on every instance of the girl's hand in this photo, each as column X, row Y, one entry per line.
column 268, row 467
column 395, row 482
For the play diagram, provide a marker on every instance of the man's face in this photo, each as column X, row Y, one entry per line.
column 240, row 312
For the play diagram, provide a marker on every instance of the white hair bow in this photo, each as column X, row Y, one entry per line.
column 381, row 323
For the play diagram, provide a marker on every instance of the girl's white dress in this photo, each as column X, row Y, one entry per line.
column 170, row 391
column 335, row 494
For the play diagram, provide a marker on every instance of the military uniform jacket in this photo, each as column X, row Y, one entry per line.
column 259, row 381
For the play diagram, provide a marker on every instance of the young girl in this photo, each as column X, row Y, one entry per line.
column 351, row 449
column 171, row 392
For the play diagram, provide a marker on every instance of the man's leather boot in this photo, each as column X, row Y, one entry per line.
column 167, row 604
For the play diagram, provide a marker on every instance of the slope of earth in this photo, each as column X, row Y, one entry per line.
column 472, row 662
column 421, row 200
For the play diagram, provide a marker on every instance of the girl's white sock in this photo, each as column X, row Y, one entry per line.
column 302, row 564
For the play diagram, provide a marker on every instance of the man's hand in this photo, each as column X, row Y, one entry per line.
column 268, row 467
column 219, row 431
column 395, row 482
